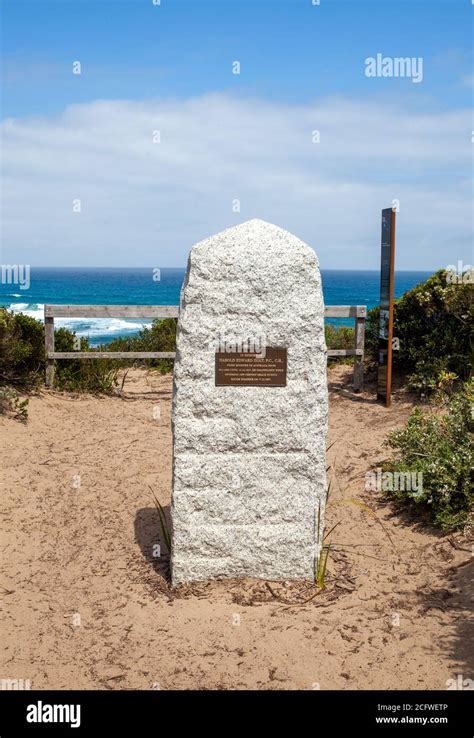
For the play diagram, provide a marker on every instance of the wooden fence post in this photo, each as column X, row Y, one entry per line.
column 49, row 347
column 358, row 381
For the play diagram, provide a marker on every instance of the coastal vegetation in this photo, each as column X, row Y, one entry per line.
column 433, row 358
column 437, row 447
column 160, row 337
column 21, row 361
column 339, row 337
column 433, row 333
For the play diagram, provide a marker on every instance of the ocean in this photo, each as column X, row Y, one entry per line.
column 128, row 286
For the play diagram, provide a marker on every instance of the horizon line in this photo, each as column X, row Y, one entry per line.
column 326, row 269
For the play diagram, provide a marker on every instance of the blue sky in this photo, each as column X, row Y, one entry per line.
column 172, row 63
column 289, row 50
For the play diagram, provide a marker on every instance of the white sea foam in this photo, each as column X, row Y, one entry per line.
column 91, row 327
column 31, row 309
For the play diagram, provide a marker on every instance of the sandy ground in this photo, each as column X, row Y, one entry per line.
column 85, row 604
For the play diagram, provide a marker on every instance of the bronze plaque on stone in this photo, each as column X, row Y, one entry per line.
column 246, row 369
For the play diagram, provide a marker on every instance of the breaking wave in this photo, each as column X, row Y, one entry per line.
column 98, row 328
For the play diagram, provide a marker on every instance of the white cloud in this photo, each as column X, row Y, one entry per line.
column 146, row 204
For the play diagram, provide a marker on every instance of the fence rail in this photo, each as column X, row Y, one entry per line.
column 111, row 311
column 358, row 312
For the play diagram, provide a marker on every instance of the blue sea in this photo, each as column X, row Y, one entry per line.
column 123, row 286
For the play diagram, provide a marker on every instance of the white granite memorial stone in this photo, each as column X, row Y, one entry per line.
column 249, row 409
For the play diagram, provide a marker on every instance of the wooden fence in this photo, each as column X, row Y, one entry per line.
column 358, row 312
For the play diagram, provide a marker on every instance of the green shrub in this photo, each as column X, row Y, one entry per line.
column 160, row 337
column 439, row 446
column 21, row 349
column 433, row 325
column 338, row 337
column 21, row 361
column 90, row 375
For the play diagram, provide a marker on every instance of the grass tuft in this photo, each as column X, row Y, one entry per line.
column 164, row 525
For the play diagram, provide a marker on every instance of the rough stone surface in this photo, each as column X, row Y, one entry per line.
column 249, row 462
